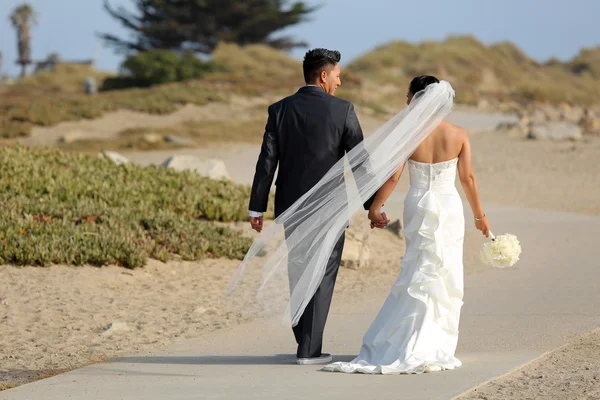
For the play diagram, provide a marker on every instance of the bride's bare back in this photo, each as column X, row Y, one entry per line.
column 444, row 143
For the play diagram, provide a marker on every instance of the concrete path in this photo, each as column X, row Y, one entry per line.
column 509, row 317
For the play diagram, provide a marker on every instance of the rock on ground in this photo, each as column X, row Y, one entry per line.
column 214, row 169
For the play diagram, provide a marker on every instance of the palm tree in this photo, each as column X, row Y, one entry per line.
column 23, row 18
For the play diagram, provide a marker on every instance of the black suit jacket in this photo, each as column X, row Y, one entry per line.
column 306, row 134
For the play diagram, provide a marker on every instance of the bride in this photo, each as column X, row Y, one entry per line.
column 416, row 330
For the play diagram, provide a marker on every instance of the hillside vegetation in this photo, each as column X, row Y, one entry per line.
column 377, row 81
column 54, row 97
column 500, row 72
column 63, row 208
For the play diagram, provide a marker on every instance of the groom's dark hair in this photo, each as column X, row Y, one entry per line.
column 421, row 82
column 317, row 60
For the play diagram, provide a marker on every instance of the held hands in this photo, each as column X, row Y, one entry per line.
column 257, row 223
column 378, row 220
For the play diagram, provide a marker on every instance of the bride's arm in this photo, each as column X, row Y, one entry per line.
column 469, row 184
column 383, row 193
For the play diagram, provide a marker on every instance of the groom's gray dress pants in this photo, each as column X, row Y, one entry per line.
column 310, row 327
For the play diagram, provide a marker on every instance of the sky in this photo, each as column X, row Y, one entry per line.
column 558, row 29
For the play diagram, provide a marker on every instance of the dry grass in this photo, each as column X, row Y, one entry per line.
column 20, row 110
column 199, row 133
column 260, row 65
column 587, row 63
column 133, row 142
column 66, row 78
column 51, row 98
column 211, row 132
column 6, row 386
column 499, row 72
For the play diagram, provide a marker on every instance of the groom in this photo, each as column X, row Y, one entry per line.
column 306, row 134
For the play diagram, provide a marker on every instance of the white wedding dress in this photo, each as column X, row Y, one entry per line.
column 416, row 330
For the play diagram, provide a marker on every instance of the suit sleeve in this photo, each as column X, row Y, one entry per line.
column 265, row 167
column 353, row 136
column 353, row 133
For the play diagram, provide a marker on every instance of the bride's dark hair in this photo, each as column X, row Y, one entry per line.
column 421, row 82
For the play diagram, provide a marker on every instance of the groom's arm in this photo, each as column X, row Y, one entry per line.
column 265, row 169
column 353, row 136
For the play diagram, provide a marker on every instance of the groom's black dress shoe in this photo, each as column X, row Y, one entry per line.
column 324, row 358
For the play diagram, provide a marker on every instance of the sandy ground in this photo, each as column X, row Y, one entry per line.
column 561, row 176
column 59, row 318
column 569, row 372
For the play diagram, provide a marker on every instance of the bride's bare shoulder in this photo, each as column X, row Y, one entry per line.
column 451, row 129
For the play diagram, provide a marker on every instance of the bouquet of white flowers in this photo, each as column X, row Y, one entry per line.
column 502, row 251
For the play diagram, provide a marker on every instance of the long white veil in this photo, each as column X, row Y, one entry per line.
column 286, row 263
